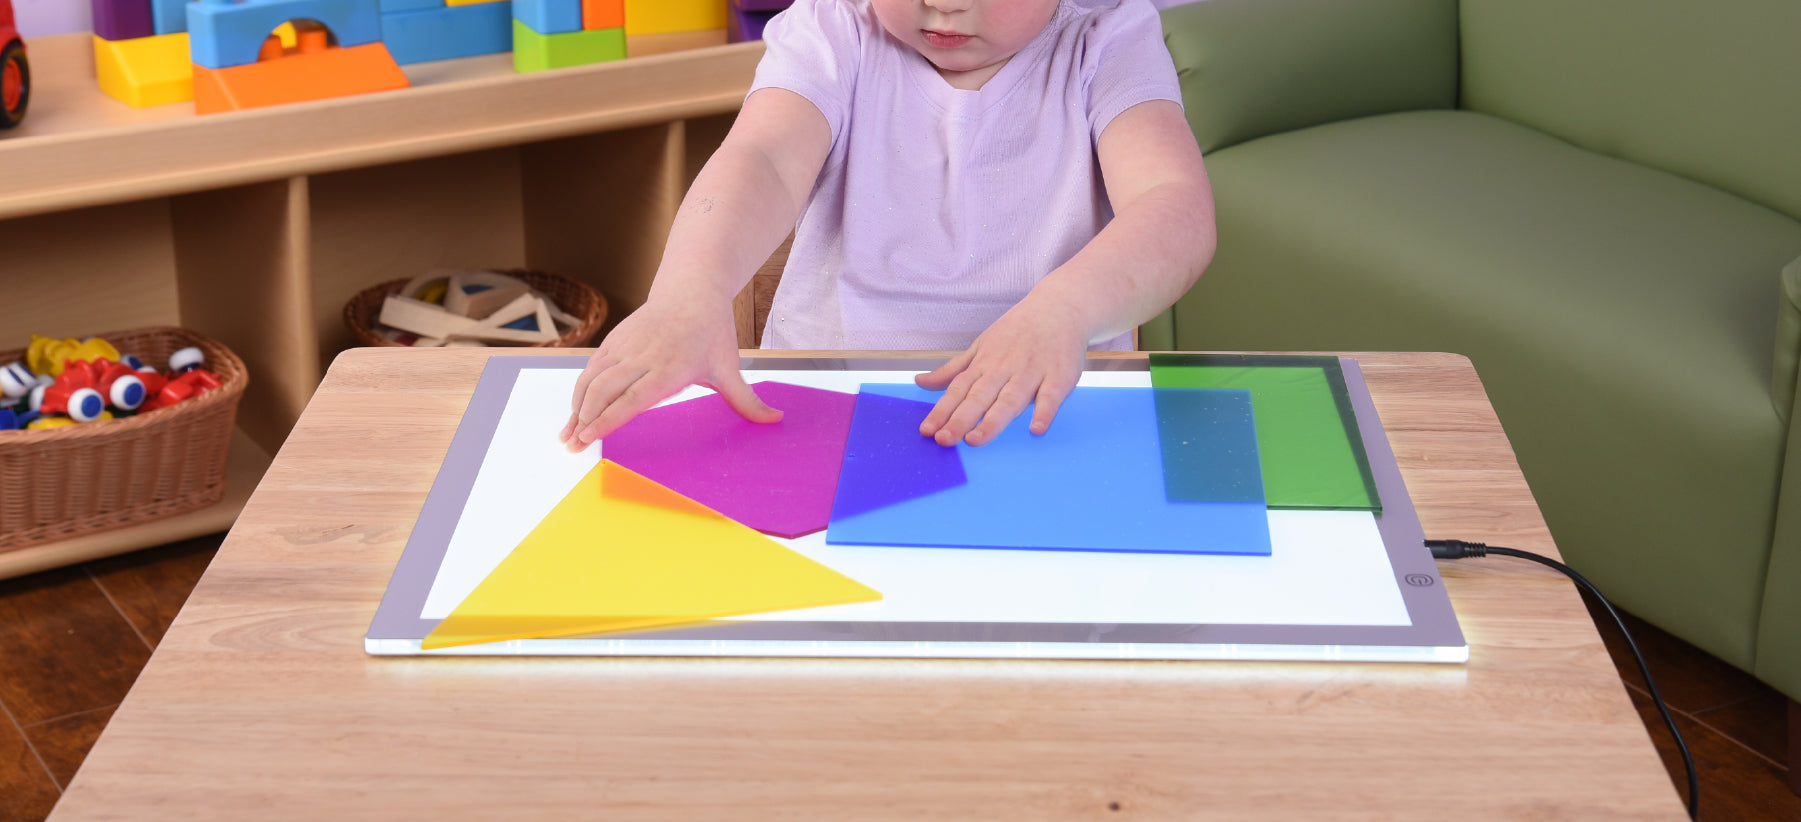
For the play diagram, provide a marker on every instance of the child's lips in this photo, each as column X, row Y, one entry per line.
column 946, row 39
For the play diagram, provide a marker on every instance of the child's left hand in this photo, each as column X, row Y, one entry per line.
column 1032, row 354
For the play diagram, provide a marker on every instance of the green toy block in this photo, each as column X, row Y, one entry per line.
column 536, row 52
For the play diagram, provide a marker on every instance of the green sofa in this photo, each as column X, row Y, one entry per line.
column 1594, row 200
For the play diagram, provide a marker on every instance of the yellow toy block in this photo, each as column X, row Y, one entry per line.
column 470, row 2
column 145, row 71
column 664, row 16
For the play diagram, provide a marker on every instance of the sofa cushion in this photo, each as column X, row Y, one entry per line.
column 1622, row 319
column 1255, row 67
column 1711, row 91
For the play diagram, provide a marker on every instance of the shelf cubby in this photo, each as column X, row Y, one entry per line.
column 256, row 227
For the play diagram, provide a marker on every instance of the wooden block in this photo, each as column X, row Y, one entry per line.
column 493, row 278
column 418, row 284
column 563, row 318
column 408, row 338
column 500, row 291
column 422, row 318
column 506, row 335
column 566, row 321
column 526, row 305
column 412, row 287
column 517, row 308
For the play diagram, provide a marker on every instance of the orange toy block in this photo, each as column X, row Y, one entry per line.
column 297, row 77
column 603, row 14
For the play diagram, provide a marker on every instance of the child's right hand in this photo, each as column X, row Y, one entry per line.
column 659, row 350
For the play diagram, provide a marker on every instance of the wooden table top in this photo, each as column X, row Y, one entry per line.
column 260, row 703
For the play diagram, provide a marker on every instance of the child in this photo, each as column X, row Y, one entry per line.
column 1013, row 178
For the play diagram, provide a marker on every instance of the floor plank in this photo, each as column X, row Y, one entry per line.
column 26, row 792
column 64, row 649
column 65, row 741
column 149, row 586
column 1759, row 723
column 1690, row 679
column 1736, row 784
column 1794, row 747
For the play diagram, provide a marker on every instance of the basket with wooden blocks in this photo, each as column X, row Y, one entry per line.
column 477, row 308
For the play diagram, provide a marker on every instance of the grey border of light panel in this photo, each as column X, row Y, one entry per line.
column 1432, row 636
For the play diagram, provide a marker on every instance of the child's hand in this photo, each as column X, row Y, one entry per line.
column 654, row 353
column 1029, row 355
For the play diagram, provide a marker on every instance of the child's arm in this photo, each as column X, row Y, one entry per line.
column 745, row 200
column 1160, row 240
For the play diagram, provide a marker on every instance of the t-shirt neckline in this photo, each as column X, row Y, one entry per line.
column 949, row 98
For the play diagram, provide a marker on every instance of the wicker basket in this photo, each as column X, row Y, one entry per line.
column 59, row 483
column 575, row 298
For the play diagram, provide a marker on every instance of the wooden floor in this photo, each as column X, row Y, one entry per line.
column 73, row 640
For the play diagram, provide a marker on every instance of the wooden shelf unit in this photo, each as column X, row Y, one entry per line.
column 256, row 227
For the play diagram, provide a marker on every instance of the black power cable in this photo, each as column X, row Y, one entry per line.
column 1458, row 549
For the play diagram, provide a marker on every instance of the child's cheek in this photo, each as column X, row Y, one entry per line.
column 896, row 17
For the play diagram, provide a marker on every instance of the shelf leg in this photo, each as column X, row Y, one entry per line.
column 598, row 208
column 242, row 258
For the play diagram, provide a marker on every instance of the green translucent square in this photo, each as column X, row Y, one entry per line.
column 1307, row 436
column 537, row 52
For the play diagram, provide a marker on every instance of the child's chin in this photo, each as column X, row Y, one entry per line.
column 957, row 66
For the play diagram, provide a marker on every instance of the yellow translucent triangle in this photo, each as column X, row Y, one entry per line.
column 622, row 553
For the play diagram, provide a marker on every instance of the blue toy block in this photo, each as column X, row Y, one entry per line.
column 447, row 33
column 169, row 16
column 549, row 16
column 391, row 6
column 222, row 34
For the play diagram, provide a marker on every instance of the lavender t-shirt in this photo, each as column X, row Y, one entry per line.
column 939, row 208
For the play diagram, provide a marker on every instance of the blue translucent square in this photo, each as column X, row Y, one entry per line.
column 1094, row 482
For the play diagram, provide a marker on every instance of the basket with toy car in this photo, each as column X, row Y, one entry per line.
column 103, row 432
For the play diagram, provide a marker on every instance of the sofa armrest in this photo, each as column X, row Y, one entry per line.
column 1255, row 67
column 1788, row 341
column 1158, row 333
column 1778, row 660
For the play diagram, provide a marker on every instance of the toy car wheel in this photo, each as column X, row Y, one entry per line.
column 186, row 359
column 15, row 84
column 85, row 405
column 127, row 393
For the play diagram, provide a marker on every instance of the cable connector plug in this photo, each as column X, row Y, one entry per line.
column 1456, row 548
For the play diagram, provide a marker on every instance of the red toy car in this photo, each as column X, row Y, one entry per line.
column 15, row 71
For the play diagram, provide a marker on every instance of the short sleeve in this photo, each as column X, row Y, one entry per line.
column 812, row 49
column 1126, row 62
